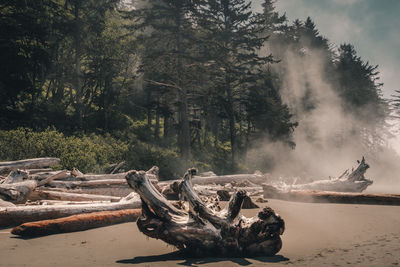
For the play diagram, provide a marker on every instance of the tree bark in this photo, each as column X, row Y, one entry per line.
column 76, row 223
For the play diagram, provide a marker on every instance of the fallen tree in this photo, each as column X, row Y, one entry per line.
column 17, row 215
column 347, row 182
column 331, row 197
column 8, row 166
column 202, row 230
column 76, row 223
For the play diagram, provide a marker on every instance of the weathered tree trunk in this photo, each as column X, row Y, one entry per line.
column 76, row 223
column 6, row 167
column 54, row 195
column 331, row 197
column 353, row 182
column 202, row 230
column 19, row 215
column 17, row 192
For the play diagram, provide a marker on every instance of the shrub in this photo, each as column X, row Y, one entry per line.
column 88, row 153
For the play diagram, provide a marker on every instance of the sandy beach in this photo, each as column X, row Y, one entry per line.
column 316, row 235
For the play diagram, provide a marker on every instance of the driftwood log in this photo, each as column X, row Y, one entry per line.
column 66, row 196
column 331, row 197
column 17, row 193
column 17, row 215
column 353, row 182
column 201, row 230
column 8, row 166
column 76, row 223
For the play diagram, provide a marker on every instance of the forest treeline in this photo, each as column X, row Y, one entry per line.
column 169, row 82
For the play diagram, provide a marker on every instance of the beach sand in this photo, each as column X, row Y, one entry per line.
column 316, row 235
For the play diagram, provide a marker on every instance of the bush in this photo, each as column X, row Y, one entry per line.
column 142, row 156
column 88, row 153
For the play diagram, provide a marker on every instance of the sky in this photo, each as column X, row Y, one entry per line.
column 372, row 26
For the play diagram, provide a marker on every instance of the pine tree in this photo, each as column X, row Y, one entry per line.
column 232, row 39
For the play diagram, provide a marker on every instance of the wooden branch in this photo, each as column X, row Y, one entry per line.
column 60, row 174
column 8, row 166
column 18, row 215
column 76, row 223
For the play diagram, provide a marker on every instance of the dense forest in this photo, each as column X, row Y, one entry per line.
column 177, row 83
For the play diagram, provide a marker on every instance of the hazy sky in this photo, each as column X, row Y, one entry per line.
column 372, row 26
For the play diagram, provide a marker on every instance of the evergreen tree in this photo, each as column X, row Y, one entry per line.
column 231, row 43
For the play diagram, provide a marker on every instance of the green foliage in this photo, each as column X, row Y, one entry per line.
column 142, row 156
column 88, row 153
column 167, row 77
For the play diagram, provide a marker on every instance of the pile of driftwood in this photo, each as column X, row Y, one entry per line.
column 40, row 200
column 34, row 197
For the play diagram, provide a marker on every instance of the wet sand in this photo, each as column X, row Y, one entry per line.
column 316, row 235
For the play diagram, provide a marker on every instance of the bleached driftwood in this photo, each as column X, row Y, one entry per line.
column 18, row 215
column 66, row 196
column 202, row 230
column 8, row 166
column 34, row 171
column 331, row 197
column 61, row 174
column 353, row 182
column 110, row 190
column 6, row 204
column 17, row 192
column 91, row 183
column 76, row 223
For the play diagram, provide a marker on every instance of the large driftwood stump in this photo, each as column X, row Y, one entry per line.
column 202, row 230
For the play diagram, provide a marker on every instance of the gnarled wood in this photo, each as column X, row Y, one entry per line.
column 76, row 223
column 17, row 192
column 203, row 230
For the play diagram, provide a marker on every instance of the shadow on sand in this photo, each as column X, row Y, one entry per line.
column 188, row 261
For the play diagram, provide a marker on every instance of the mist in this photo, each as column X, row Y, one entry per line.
column 329, row 139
